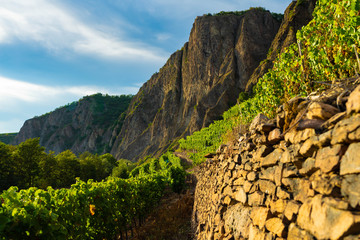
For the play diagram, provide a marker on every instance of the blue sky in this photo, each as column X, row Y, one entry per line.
column 53, row 52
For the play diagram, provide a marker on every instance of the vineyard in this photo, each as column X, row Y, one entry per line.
column 88, row 210
column 326, row 53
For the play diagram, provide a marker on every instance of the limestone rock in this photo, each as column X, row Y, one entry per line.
column 251, row 176
column 325, row 183
column 319, row 110
column 259, row 215
column 274, row 136
column 324, row 221
column 310, row 123
column 276, row 226
column 282, row 194
column 272, row 158
column 256, row 199
column 268, row 173
column 266, row 187
column 296, row 233
column 350, row 163
column 237, row 219
column 353, row 103
column 240, row 195
column 350, row 189
column 259, row 119
column 328, row 158
column 278, row 206
column 310, row 146
column 291, row 210
column 343, row 128
column 308, row 167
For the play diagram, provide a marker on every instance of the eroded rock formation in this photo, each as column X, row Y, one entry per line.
column 198, row 83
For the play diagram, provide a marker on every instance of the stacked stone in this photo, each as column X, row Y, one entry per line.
column 295, row 177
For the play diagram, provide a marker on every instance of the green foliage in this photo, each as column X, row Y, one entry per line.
column 27, row 165
column 278, row 16
column 206, row 140
column 88, row 210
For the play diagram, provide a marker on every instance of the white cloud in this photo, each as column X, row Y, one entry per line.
column 14, row 93
column 48, row 23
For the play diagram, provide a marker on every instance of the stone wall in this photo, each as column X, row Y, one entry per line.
column 296, row 176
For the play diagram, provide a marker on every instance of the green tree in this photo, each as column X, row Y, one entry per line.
column 68, row 168
column 7, row 177
column 47, row 176
column 27, row 158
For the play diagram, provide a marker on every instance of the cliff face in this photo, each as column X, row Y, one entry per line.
column 297, row 182
column 297, row 15
column 82, row 126
column 197, row 84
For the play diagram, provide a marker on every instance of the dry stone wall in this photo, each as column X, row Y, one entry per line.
column 296, row 176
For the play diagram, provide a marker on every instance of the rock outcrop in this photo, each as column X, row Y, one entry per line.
column 296, row 176
column 297, row 15
column 86, row 125
column 197, row 84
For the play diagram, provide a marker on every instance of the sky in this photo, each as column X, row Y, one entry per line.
column 54, row 52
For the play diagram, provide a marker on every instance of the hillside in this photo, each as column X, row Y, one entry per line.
column 86, row 125
column 197, row 84
column 7, row 137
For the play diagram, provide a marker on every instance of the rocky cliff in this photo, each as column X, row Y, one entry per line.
column 297, row 15
column 197, row 84
column 296, row 176
column 86, row 125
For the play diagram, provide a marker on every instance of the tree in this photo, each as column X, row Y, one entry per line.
column 68, row 168
column 7, row 178
column 27, row 158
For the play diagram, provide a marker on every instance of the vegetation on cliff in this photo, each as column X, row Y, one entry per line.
column 85, row 125
column 325, row 53
column 7, row 137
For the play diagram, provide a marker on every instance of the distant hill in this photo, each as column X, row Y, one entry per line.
column 86, row 125
column 7, row 137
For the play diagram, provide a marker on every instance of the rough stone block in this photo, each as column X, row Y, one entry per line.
column 275, row 136
column 256, row 199
column 251, row 176
column 240, row 195
column 291, row 210
column 272, row 158
column 266, row 187
column 308, row 167
column 343, row 128
column 276, row 226
column 268, row 173
column 237, row 219
column 324, row 221
column 350, row 188
column 310, row 146
column 350, row 163
column 282, row 194
column 353, row 103
column 319, row 110
column 295, row 233
column 278, row 206
column 259, row 215
column 327, row 159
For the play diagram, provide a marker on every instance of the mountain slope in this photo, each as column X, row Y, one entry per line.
column 297, row 15
column 86, row 125
column 197, row 84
